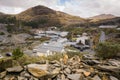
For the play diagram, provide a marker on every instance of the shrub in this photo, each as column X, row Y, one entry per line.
column 17, row 53
column 107, row 50
column 2, row 33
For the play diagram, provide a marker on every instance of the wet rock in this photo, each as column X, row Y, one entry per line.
column 2, row 74
column 74, row 76
column 113, row 78
column 15, row 69
column 96, row 78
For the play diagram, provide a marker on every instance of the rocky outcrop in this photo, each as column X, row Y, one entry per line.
column 74, row 69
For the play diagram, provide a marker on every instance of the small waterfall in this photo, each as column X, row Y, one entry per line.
column 102, row 37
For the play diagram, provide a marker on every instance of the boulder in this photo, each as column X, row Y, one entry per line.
column 15, row 69
column 37, row 70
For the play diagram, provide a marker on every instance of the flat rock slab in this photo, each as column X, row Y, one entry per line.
column 15, row 69
column 37, row 70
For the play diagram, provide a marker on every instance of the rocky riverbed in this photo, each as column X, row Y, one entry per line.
column 87, row 68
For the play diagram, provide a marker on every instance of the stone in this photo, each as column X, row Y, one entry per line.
column 86, row 73
column 62, row 77
column 15, row 69
column 113, row 78
column 108, row 68
column 91, row 62
column 96, row 77
column 25, row 74
column 37, row 70
column 54, row 73
column 2, row 74
column 80, row 70
column 67, row 70
column 114, row 62
column 21, row 78
column 56, row 65
column 74, row 76
column 89, row 57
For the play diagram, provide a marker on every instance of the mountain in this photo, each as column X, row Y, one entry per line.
column 102, row 17
column 48, row 17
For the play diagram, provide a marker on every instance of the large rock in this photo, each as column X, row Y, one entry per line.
column 15, row 69
column 37, row 70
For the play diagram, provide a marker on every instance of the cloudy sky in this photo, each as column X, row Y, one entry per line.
column 83, row 8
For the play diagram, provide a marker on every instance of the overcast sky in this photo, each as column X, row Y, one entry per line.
column 82, row 8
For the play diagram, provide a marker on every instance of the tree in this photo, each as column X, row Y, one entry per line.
column 17, row 53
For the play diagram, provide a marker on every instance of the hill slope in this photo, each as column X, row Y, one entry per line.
column 102, row 17
column 48, row 17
